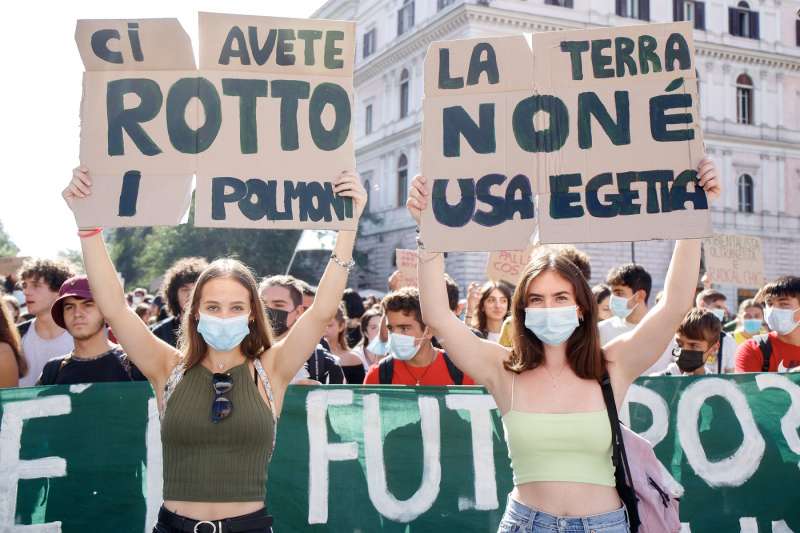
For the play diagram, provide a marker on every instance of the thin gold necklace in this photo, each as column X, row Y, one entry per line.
column 553, row 379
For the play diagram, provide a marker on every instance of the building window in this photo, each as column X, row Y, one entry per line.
column 402, row 180
column 797, row 30
column 635, row 9
column 691, row 10
column 561, row 3
column 368, row 188
column 404, row 87
column 744, row 99
column 441, row 4
column 369, row 42
column 368, row 119
column 405, row 17
column 742, row 21
column 745, row 193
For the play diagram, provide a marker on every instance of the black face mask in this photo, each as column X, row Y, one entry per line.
column 277, row 319
column 688, row 360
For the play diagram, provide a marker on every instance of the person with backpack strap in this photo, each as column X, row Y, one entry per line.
column 548, row 385
column 412, row 360
column 779, row 350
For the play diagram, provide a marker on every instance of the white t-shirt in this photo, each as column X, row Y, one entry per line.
column 613, row 327
column 494, row 337
column 38, row 351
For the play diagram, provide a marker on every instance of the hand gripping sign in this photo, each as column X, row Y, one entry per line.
column 264, row 125
column 593, row 135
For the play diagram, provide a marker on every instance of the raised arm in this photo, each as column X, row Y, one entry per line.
column 631, row 354
column 293, row 351
column 480, row 359
column 153, row 357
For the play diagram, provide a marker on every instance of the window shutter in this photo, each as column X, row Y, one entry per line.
column 797, row 31
column 754, row 25
column 733, row 21
column 677, row 10
column 700, row 15
column 621, row 8
column 644, row 10
column 568, row 3
column 400, row 22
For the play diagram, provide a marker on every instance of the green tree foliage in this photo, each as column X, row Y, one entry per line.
column 143, row 254
column 7, row 248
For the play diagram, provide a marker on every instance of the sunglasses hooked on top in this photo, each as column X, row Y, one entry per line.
column 222, row 406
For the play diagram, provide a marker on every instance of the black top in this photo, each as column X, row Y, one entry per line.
column 323, row 367
column 354, row 374
column 168, row 330
column 113, row 365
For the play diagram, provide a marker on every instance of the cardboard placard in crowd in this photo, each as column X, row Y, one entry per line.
column 407, row 266
column 507, row 265
column 10, row 265
column 734, row 260
column 596, row 129
column 265, row 124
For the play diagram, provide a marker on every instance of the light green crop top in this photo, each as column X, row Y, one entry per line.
column 573, row 447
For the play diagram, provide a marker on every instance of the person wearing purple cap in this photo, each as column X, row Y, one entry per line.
column 95, row 358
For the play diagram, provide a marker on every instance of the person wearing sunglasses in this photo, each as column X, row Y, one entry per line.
column 220, row 394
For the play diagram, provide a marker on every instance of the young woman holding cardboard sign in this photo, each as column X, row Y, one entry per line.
column 547, row 384
column 220, row 395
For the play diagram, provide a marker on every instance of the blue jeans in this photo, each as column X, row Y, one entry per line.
column 520, row 518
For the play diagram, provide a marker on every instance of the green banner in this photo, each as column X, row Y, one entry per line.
column 362, row 459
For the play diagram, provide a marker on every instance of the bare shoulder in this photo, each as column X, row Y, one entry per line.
column 5, row 350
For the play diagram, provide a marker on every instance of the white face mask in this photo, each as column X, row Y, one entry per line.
column 781, row 321
column 552, row 325
column 403, row 347
column 619, row 306
column 719, row 313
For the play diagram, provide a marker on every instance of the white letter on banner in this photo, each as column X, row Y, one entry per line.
column 480, row 408
column 422, row 500
column 732, row 471
column 154, row 472
column 791, row 420
column 658, row 408
column 12, row 469
column 750, row 525
column 321, row 452
column 780, row 526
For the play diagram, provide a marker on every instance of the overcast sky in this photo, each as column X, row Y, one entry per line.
column 41, row 94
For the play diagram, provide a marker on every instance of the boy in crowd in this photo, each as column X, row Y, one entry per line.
column 42, row 338
column 715, row 302
column 177, row 289
column 412, row 360
column 779, row 351
column 94, row 358
column 696, row 343
column 283, row 298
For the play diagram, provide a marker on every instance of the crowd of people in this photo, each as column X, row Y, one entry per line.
column 50, row 324
column 216, row 336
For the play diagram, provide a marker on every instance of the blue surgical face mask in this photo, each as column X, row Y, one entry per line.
column 223, row 334
column 402, row 346
column 552, row 325
column 781, row 321
column 378, row 347
column 751, row 325
column 719, row 313
column 619, row 306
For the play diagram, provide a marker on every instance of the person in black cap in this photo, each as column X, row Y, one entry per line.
column 94, row 359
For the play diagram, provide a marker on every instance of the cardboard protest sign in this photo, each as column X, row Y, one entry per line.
column 734, row 260
column 265, row 123
column 606, row 134
column 140, row 176
column 10, row 265
column 407, row 266
column 286, row 95
column 507, row 265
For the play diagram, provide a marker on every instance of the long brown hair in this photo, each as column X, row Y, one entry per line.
column 341, row 337
column 486, row 291
column 368, row 315
column 584, row 353
column 259, row 340
column 10, row 335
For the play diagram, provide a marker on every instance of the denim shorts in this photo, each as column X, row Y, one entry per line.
column 520, row 518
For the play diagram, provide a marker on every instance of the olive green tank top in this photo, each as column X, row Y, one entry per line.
column 222, row 462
